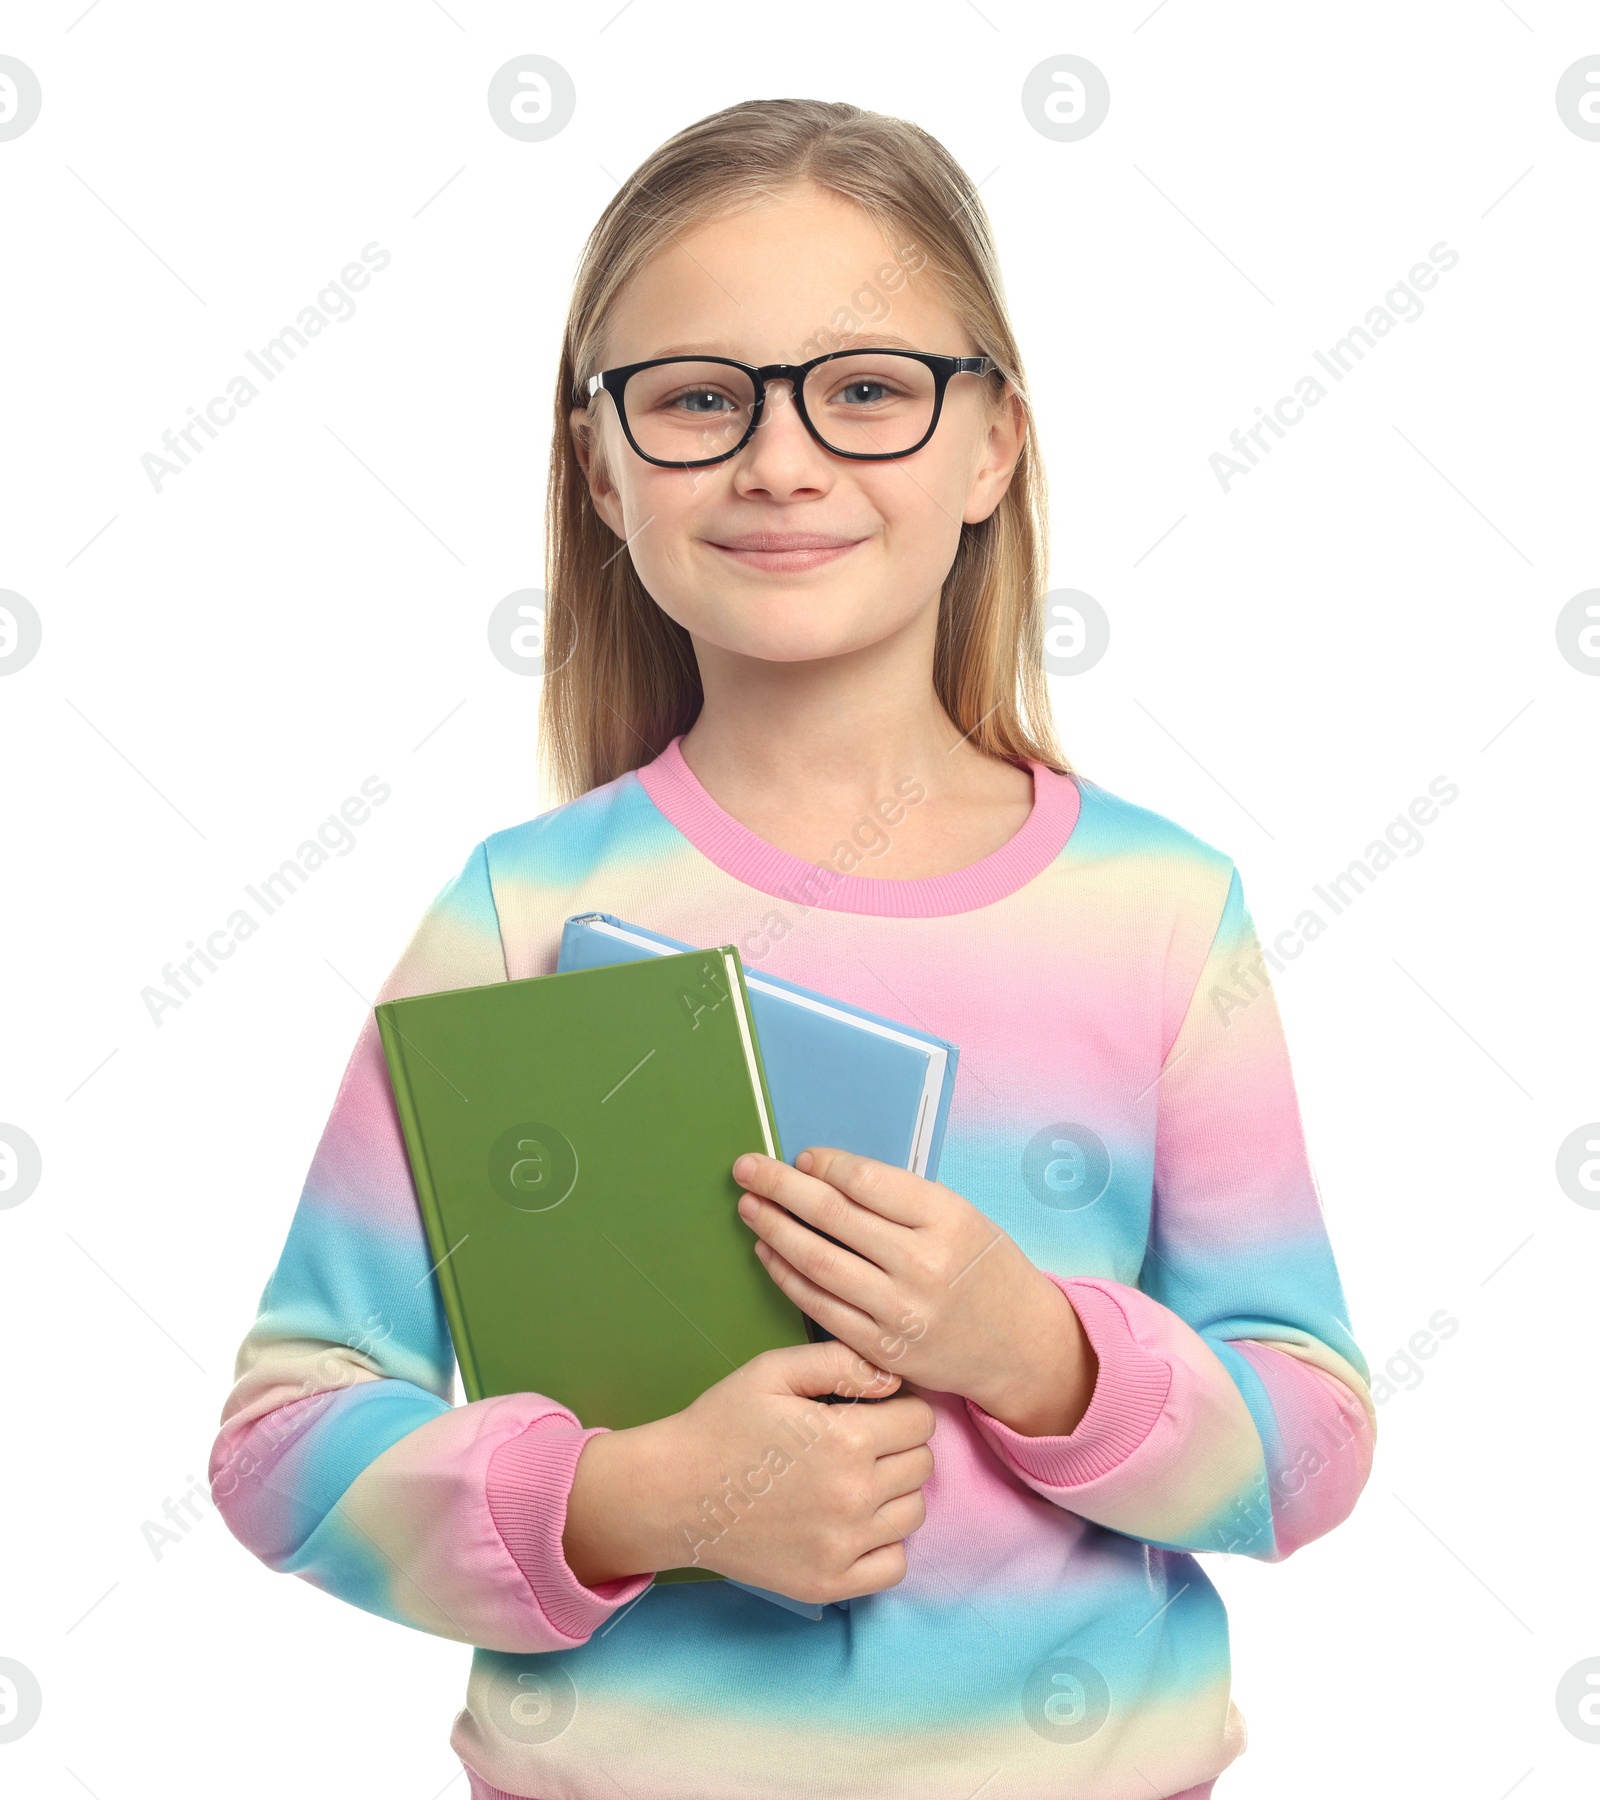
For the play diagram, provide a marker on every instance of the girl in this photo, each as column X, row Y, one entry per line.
column 794, row 697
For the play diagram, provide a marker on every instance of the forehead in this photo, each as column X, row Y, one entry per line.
column 800, row 272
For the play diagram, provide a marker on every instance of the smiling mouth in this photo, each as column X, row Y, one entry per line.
column 781, row 552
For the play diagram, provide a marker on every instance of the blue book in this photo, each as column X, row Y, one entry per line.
column 837, row 1074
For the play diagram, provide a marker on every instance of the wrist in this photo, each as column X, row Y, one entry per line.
column 1048, row 1393
column 611, row 1532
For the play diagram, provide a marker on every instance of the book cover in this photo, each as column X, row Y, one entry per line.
column 571, row 1139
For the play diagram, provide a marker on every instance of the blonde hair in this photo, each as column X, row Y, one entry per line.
column 621, row 679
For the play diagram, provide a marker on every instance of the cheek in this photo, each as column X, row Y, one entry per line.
column 921, row 502
column 929, row 485
column 662, row 510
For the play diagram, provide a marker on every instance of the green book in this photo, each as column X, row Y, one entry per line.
column 571, row 1139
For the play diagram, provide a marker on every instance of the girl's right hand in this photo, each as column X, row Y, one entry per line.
column 757, row 1480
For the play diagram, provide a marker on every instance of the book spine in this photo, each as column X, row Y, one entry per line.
column 763, row 1093
column 427, row 1200
column 942, row 1116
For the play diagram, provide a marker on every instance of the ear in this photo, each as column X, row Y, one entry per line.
column 1002, row 448
column 591, row 459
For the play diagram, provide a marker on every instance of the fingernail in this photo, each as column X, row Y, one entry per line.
column 744, row 1168
column 747, row 1206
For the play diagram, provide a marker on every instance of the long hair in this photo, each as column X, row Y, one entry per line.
column 621, row 679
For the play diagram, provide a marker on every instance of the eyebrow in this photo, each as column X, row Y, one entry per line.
column 886, row 340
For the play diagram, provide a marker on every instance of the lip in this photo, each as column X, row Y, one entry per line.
column 782, row 551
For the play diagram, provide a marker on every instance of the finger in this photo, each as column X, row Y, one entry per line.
column 818, row 1203
column 899, row 1517
column 808, row 1267
column 877, row 1570
column 901, row 1422
column 879, row 1187
column 902, row 1473
column 831, row 1368
column 875, row 1347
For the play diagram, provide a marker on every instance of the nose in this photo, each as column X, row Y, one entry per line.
column 782, row 455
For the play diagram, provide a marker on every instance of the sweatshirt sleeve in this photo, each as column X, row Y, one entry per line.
column 1231, row 1409
column 340, row 1456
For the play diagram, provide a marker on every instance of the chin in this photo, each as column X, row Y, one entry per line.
column 788, row 634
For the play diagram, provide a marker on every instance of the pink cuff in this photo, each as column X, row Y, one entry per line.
column 529, row 1481
column 1130, row 1391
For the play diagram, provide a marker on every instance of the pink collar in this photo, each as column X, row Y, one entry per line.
column 679, row 797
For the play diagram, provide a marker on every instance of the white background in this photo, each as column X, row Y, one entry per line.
column 224, row 661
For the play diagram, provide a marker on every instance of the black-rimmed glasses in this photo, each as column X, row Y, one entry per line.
column 685, row 412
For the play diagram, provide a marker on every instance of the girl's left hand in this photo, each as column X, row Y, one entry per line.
column 926, row 1286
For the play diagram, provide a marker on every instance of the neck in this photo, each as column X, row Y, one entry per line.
column 844, row 727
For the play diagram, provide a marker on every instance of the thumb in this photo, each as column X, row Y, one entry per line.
column 830, row 1368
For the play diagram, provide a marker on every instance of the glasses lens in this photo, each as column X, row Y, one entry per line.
column 873, row 402
column 687, row 411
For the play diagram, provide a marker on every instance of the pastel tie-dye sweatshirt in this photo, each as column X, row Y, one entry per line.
column 1124, row 1109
